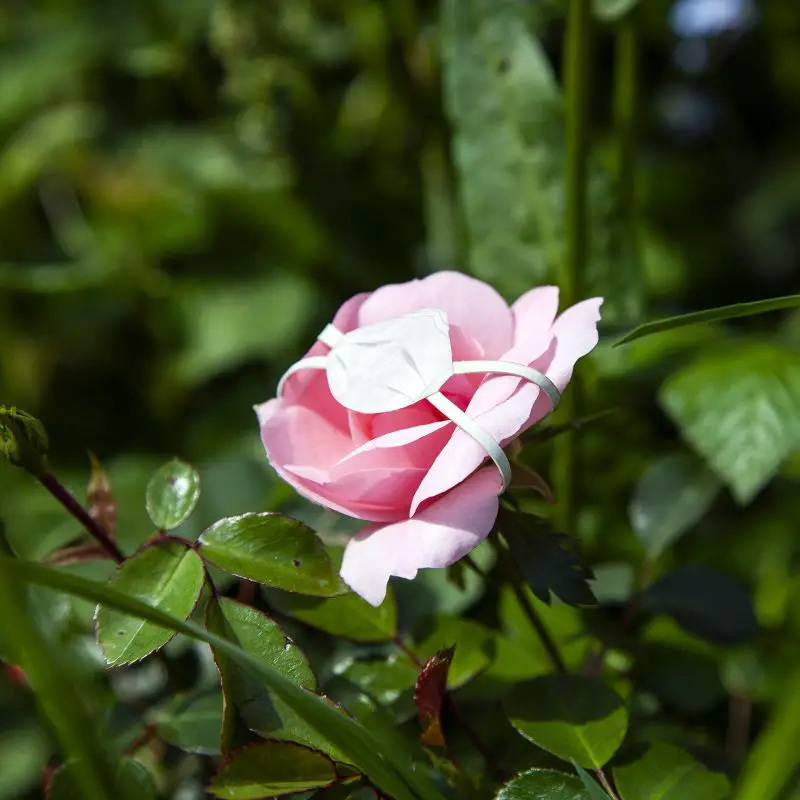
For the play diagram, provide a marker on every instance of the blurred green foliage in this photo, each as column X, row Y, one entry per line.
column 188, row 190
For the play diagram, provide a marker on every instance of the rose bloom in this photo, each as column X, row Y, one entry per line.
column 419, row 480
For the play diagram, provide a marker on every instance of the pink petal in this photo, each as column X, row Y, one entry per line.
column 470, row 304
column 437, row 537
column 346, row 319
column 574, row 335
column 379, row 495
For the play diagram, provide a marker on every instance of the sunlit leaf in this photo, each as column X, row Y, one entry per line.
column 740, row 409
column 172, row 494
column 347, row 615
column 167, row 575
column 274, row 550
column 666, row 772
column 576, row 718
column 543, row 784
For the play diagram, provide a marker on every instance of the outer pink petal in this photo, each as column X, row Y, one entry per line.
column 575, row 335
column 437, row 537
column 470, row 304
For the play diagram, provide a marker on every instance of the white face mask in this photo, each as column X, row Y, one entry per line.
column 394, row 364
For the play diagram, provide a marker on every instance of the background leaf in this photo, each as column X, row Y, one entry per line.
column 740, row 410
column 172, row 494
column 666, row 772
column 167, row 575
column 670, row 497
column 347, row 615
column 192, row 723
column 705, row 602
column 576, row 718
column 272, row 768
column 274, row 550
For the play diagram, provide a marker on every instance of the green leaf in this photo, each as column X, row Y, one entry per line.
column 192, row 723
column 133, row 782
column 666, row 772
column 704, row 602
column 261, row 710
column 385, row 681
column 271, row 769
column 384, row 765
column 168, row 575
column 507, row 115
column 474, row 645
column 591, row 785
column 541, row 557
column 672, row 496
column 576, row 718
column 274, row 550
column 543, row 784
column 740, row 409
column 709, row 314
column 347, row 615
column 773, row 758
column 172, row 494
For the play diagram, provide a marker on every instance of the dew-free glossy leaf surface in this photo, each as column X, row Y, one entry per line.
column 167, row 575
column 272, row 769
column 672, row 496
column 192, row 723
column 576, row 718
column 740, row 409
column 666, row 772
column 261, row 710
column 273, row 550
column 172, row 494
column 347, row 615
column 543, row 784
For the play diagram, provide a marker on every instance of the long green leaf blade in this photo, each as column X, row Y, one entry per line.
column 375, row 760
column 710, row 315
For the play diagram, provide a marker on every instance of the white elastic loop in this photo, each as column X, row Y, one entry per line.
column 469, row 426
column 314, row 362
column 510, row 368
column 330, row 336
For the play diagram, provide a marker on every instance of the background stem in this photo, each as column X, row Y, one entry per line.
column 577, row 57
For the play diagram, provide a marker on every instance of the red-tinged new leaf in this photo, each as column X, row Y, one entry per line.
column 102, row 504
column 429, row 696
column 76, row 554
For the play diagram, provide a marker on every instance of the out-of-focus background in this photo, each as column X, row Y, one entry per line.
column 190, row 188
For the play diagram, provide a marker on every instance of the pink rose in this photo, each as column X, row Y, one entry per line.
column 417, row 477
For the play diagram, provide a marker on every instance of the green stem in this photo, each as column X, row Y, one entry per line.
column 625, row 104
column 577, row 55
column 61, row 705
column 517, row 586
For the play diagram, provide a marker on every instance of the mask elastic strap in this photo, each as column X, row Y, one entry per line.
column 331, row 336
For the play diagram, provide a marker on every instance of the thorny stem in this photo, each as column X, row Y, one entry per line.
column 91, row 526
column 515, row 581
